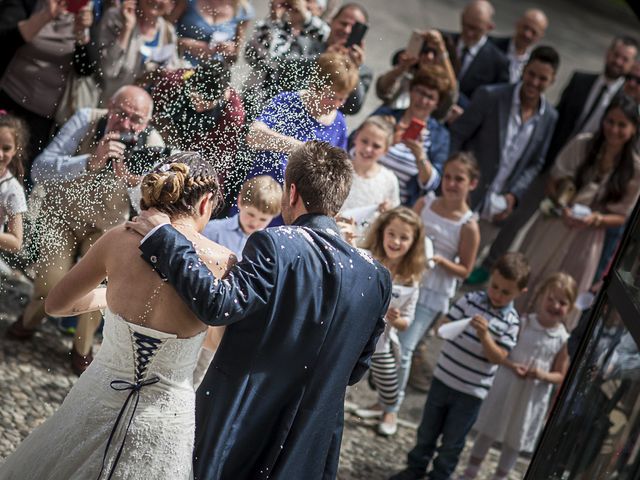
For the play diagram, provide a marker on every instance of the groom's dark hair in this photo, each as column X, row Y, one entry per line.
column 322, row 175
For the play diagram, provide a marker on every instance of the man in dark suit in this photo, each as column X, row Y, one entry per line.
column 580, row 109
column 529, row 30
column 508, row 127
column 477, row 61
column 303, row 311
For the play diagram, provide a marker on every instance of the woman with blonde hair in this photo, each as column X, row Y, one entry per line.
column 131, row 414
column 293, row 118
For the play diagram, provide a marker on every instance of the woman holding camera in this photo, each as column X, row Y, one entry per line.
column 416, row 156
column 605, row 169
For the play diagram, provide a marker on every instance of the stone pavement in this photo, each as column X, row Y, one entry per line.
column 35, row 377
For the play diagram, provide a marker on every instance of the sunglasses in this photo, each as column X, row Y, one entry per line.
column 635, row 78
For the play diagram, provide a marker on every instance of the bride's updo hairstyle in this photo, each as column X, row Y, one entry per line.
column 175, row 186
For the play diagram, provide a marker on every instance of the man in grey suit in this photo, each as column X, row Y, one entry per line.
column 508, row 128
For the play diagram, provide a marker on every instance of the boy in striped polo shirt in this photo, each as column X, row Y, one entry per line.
column 466, row 368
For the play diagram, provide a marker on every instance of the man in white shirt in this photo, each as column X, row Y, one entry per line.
column 507, row 127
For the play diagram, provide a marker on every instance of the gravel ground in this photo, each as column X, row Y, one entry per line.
column 35, row 377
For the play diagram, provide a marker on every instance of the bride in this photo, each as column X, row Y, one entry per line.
column 131, row 413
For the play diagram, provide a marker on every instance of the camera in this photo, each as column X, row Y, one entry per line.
column 140, row 159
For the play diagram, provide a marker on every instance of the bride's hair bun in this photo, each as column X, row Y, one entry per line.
column 176, row 185
column 166, row 186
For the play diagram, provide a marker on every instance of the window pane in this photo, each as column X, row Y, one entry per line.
column 594, row 434
column 629, row 266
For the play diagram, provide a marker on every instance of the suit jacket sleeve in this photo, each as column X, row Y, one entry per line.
column 365, row 358
column 246, row 289
column 465, row 127
column 537, row 162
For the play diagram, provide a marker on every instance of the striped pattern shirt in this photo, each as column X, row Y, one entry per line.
column 462, row 364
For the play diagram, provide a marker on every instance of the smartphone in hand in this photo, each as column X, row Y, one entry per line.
column 413, row 130
column 416, row 41
column 357, row 34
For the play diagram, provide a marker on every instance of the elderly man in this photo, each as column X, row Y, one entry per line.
column 84, row 178
column 530, row 28
column 478, row 61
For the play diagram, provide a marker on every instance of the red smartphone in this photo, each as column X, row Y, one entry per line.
column 74, row 6
column 413, row 130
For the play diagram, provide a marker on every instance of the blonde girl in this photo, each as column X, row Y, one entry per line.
column 396, row 239
column 373, row 184
column 13, row 204
column 524, row 382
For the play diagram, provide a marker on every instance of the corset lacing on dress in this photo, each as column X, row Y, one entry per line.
column 146, row 347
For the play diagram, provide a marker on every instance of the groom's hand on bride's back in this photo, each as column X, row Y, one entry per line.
column 147, row 221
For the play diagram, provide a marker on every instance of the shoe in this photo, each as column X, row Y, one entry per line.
column 79, row 363
column 388, row 428
column 409, row 474
column 66, row 325
column 368, row 412
column 17, row 331
column 478, row 276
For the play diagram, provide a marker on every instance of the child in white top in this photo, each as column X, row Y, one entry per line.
column 373, row 184
column 524, row 382
column 452, row 227
column 13, row 141
column 396, row 239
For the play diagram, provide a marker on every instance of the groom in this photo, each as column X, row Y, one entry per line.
column 303, row 311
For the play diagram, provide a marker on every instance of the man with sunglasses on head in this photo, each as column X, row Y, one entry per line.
column 86, row 187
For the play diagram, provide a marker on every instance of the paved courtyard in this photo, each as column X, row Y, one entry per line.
column 35, row 377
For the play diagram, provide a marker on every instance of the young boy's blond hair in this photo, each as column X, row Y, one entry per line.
column 262, row 193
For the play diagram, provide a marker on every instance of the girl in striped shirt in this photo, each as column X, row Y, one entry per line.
column 396, row 239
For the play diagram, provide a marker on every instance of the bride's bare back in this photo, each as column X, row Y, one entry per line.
column 138, row 294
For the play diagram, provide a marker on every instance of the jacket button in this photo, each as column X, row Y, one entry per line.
column 153, row 259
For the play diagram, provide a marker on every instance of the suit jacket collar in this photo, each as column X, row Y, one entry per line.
column 317, row 222
column 504, row 110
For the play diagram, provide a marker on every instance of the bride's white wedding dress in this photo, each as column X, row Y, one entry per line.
column 129, row 416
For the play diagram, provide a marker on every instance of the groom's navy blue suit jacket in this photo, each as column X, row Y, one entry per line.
column 303, row 311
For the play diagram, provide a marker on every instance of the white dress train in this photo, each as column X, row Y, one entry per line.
column 129, row 416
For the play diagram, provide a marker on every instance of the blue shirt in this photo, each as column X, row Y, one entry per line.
column 228, row 233
column 287, row 115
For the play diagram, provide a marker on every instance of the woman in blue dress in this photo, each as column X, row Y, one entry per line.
column 292, row 118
